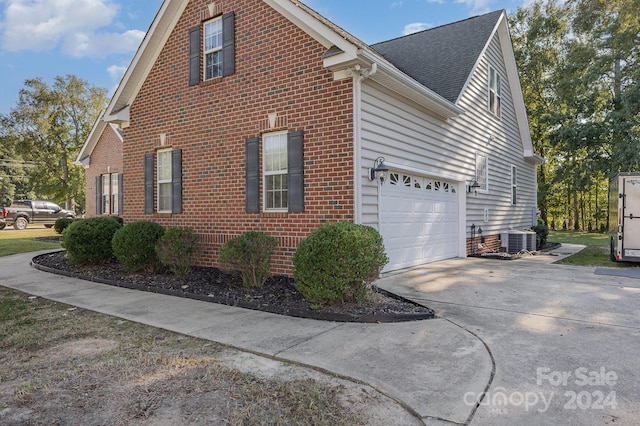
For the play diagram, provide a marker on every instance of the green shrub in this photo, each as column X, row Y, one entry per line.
column 250, row 255
column 338, row 262
column 61, row 224
column 177, row 248
column 88, row 241
column 542, row 233
column 134, row 245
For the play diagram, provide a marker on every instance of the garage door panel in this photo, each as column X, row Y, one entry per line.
column 418, row 221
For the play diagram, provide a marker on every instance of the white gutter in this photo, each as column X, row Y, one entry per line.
column 412, row 89
column 359, row 74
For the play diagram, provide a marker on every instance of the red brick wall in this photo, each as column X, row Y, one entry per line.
column 489, row 243
column 105, row 158
column 278, row 70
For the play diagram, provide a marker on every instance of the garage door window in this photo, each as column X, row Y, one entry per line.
column 420, row 183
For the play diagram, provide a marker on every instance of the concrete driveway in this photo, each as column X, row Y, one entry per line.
column 564, row 342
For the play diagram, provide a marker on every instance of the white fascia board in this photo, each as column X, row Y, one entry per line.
column 516, row 88
column 146, row 56
column 301, row 16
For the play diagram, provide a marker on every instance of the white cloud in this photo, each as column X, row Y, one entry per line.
column 73, row 25
column 397, row 4
column 477, row 6
column 116, row 71
column 415, row 27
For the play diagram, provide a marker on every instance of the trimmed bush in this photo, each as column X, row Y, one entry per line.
column 177, row 248
column 250, row 255
column 88, row 241
column 134, row 245
column 542, row 233
column 62, row 223
column 338, row 262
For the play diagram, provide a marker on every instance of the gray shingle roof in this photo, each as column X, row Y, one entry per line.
column 441, row 58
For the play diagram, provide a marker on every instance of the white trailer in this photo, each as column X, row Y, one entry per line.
column 624, row 219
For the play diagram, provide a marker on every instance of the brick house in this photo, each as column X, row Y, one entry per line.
column 101, row 156
column 262, row 115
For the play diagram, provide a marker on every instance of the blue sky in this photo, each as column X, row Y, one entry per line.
column 96, row 39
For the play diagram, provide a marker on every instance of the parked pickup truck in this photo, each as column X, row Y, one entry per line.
column 23, row 212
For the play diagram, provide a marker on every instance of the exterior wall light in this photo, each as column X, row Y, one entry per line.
column 378, row 170
column 473, row 186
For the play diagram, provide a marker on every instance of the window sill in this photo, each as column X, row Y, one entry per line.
column 211, row 81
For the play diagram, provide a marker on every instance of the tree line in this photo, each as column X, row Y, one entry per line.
column 579, row 71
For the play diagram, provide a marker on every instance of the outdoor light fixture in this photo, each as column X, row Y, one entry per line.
column 473, row 186
column 378, row 170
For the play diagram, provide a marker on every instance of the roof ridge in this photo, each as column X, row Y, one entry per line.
column 439, row 27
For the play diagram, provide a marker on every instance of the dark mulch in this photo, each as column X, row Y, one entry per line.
column 279, row 295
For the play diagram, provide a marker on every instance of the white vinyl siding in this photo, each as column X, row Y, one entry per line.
column 408, row 134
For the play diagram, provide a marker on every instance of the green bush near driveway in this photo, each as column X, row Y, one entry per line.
column 338, row 262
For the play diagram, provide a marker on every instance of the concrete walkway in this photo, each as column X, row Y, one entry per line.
column 505, row 328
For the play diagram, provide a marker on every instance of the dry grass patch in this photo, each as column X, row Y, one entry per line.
column 64, row 365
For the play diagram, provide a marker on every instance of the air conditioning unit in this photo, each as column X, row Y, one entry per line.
column 531, row 240
column 513, row 241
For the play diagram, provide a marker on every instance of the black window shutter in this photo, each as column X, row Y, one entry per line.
column 99, row 194
column 252, row 153
column 228, row 44
column 194, row 56
column 149, row 199
column 120, row 192
column 295, row 160
column 176, row 181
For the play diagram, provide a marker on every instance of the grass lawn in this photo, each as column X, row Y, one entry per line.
column 595, row 254
column 14, row 242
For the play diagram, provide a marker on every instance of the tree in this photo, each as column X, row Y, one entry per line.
column 538, row 33
column 580, row 77
column 48, row 128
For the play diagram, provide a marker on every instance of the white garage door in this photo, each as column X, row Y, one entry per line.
column 419, row 220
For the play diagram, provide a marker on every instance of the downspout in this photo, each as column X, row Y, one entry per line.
column 359, row 75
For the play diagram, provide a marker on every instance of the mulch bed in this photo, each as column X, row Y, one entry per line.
column 279, row 294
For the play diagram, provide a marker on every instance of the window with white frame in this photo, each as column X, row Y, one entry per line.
column 514, row 185
column 105, row 191
column 164, row 180
column 213, row 49
column 114, row 193
column 275, row 171
column 495, row 89
column 482, row 171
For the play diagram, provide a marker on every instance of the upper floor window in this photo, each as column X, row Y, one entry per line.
column 482, row 171
column 495, row 90
column 213, row 49
column 213, row 43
